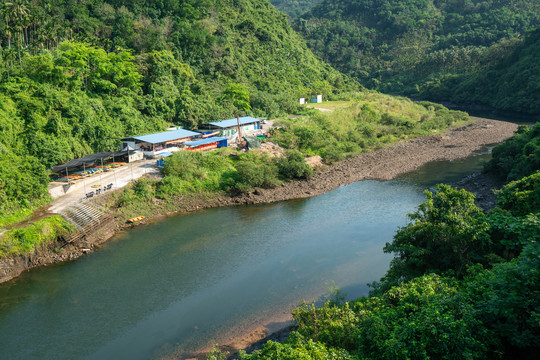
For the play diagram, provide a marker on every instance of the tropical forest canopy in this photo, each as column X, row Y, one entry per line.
column 468, row 51
column 295, row 8
column 77, row 76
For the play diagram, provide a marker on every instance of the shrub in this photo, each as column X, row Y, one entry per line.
column 521, row 197
column 252, row 173
column 293, row 166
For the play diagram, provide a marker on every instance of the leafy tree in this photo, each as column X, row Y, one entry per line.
column 507, row 299
column 518, row 156
column 447, row 233
column 238, row 96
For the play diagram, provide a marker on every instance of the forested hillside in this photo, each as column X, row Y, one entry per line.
column 76, row 76
column 511, row 83
column 425, row 48
column 295, row 8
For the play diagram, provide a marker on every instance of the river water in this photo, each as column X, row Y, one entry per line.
column 196, row 279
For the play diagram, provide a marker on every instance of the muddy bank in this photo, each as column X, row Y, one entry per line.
column 383, row 164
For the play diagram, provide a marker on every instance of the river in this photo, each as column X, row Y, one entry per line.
column 192, row 280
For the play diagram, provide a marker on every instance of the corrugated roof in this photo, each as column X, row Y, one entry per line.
column 232, row 122
column 205, row 141
column 163, row 136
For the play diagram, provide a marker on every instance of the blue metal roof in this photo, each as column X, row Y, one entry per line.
column 232, row 122
column 163, row 136
column 205, row 141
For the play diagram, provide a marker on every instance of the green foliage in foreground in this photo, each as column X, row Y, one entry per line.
column 518, row 156
column 373, row 120
column 24, row 241
column 521, row 197
column 447, row 232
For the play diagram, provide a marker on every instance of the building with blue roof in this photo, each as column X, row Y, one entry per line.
column 154, row 144
column 230, row 126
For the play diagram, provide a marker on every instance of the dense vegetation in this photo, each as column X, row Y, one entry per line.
column 463, row 284
column 294, row 8
column 518, row 156
column 76, row 76
column 509, row 83
column 469, row 51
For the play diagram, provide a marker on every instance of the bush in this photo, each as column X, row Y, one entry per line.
column 422, row 319
column 521, row 197
column 256, row 172
column 447, row 233
column 297, row 347
column 293, row 166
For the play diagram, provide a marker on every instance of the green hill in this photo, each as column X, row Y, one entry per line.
column 511, row 83
column 76, row 76
column 413, row 47
column 294, row 8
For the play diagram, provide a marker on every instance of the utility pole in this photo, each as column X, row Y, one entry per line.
column 84, row 179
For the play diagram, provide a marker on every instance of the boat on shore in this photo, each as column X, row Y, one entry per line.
column 135, row 219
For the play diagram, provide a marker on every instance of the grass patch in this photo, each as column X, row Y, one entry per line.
column 331, row 105
column 23, row 241
column 21, row 214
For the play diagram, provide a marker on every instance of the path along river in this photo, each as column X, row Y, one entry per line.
column 196, row 279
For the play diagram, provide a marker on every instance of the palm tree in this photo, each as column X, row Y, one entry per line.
column 7, row 55
column 16, row 15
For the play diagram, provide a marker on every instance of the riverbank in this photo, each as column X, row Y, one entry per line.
column 383, row 164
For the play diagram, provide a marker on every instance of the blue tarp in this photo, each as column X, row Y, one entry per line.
column 205, row 141
column 165, row 154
